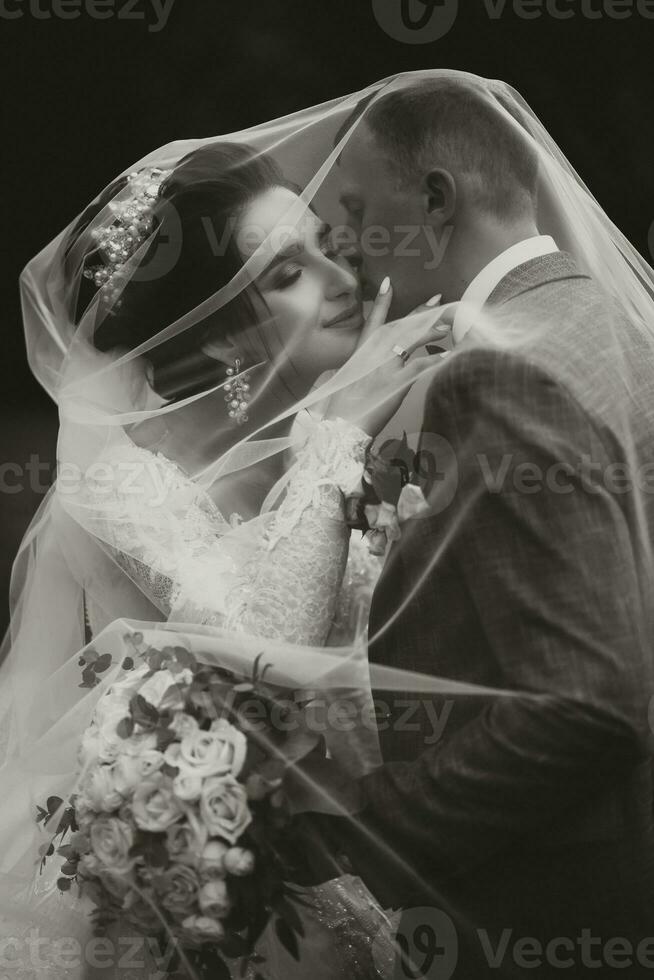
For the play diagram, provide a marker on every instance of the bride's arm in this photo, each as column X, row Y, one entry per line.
column 291, row 586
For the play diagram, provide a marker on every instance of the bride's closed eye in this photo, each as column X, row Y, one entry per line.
column 288, row 274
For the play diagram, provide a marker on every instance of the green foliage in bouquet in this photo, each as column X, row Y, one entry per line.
column 182, row 823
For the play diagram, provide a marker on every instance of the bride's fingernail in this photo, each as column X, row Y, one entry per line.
column 385, row 286
column 435, row 300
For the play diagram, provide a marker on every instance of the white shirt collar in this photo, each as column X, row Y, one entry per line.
column 485, row 281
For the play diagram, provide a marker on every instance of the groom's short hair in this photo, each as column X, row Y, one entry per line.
column 452, row 123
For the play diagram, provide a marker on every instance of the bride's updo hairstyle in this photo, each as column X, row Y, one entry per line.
column 194, row 217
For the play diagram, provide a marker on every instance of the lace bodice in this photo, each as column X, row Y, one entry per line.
column 291, row 574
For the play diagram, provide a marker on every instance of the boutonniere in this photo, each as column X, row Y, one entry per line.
column 389, row 494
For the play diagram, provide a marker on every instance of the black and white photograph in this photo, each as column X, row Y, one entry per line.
column 327, row 490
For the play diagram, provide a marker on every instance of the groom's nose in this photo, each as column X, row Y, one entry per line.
column 352, row 252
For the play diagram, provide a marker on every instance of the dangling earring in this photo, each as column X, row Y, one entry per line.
column 237, row 393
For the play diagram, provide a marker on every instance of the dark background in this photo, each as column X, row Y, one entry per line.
column 84, row 98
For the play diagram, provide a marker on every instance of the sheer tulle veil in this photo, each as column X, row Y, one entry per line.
column 122, row 375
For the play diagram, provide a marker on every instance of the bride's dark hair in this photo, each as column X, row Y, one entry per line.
column 194, row 218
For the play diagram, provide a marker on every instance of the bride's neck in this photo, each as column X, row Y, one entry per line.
column 173, row 435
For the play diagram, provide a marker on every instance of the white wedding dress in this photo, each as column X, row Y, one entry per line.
column 292, row 574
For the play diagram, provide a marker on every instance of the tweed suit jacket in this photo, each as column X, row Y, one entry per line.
column 544, row 593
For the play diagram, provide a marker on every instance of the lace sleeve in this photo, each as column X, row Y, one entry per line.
column 290, row 588
column 155, row 523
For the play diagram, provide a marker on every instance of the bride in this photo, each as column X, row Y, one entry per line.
column 218, row 390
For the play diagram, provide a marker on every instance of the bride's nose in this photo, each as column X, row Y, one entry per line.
column 342, row 280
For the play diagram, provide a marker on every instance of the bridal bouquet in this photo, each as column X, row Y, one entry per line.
column 180, row 821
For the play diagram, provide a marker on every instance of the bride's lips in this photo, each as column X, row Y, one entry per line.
column 348, row 319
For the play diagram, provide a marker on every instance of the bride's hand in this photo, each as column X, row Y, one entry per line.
column 363, row 402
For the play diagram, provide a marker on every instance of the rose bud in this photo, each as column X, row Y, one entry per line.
column 213, row 898
column 202, row 927
column 258, row 788
column 211, row 859
column 239, row 861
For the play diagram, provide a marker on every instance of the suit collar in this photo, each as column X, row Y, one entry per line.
column 480, row 288
column 535, row 272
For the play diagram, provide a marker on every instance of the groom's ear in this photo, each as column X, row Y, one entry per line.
column 439, row 196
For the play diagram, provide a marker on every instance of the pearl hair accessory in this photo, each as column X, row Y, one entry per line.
column 237, row 393
column 130, row 227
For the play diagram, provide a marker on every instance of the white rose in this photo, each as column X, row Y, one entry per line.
column 185, row 842
column 154, row 805
column 154, row 689
column 130, row 770
column 234, row 738
column 89, row 748
column 111, row 840
column 108, row 706
column 200, row 927
column 139, row 744
column 177, row 888
column 98, row 789
column 239, row 861
column 218, row 752
column 113, row 703
column 101, row 742
column 211, row 859
column 213, row 898
column 89, row 864
column 183, row 724
column 187, row 787
column 109, row 743
column 124, row 689
column 224, row 808
column 84, row 812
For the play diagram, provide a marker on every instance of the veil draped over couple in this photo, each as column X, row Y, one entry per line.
column 235, row 331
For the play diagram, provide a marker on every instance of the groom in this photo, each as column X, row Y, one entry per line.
column 527, row 827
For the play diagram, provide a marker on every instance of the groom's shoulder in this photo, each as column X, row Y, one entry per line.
column 573, row 331
column 560, row 331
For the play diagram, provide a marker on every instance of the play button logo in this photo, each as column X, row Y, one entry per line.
column 416, row 21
